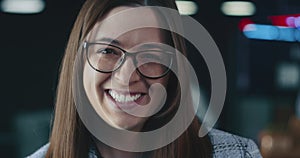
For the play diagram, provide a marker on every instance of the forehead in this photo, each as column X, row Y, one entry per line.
column 125, row 20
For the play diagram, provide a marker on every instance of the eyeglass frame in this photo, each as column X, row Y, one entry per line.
column 123, row 59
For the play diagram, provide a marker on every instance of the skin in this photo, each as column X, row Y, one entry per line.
column 97, row 84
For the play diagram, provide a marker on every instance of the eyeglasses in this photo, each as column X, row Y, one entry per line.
column 106, row 58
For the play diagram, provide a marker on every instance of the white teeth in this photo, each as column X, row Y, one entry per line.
column 123, row 98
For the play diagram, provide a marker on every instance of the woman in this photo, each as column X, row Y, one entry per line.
column 119, row 68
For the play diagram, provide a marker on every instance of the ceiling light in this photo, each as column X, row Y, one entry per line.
column 238, row 8
column 22, row 6
column 187, row 7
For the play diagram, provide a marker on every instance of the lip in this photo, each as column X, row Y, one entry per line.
column 125, row 92
column 124, row 106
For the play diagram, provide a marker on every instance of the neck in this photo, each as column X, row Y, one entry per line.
column 109, row 152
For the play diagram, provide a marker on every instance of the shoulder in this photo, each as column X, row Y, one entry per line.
column 40, row 153
column 224, row 145
column 229, row 145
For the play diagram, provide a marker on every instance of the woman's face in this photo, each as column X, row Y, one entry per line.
column 108, row 92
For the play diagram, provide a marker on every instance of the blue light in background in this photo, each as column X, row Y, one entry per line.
column 264, row 32
column 286, row 34
column 270, row 32
column 297, row 35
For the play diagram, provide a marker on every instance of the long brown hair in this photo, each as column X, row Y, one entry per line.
column 70, row 138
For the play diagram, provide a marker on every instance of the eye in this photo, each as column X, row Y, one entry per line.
column 107, row 51
column 151, row 56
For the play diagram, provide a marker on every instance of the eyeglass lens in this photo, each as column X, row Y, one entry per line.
column 108, row 58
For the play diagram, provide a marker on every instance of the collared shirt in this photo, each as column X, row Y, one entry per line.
column 224, row 145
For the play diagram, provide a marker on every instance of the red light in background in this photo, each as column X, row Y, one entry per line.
column 285, row 20
column 244, row 22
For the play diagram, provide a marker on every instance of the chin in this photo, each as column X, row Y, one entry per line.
column 129, row 124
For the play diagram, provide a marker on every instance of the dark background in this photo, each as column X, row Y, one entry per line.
column 32, row 47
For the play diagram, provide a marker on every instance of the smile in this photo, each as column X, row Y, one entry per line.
column 124, row 98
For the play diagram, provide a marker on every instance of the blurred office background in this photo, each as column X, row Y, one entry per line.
column 258, row 39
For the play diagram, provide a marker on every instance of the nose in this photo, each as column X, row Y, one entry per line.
column 127, row 73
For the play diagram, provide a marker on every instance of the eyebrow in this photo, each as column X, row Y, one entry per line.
column 142, row 46
column 109, row 40
column 153, row 45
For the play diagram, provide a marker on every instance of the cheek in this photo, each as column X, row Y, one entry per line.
column 164, row 81
column 92, row 79
column 88, row 78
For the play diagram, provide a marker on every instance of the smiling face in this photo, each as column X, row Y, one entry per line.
column 108, row 92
